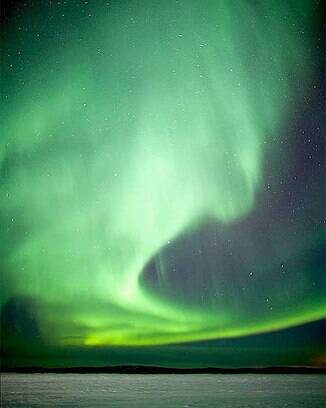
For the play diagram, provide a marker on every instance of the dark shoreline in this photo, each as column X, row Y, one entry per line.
column 163, row 370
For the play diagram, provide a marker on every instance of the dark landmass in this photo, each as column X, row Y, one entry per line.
column 166, row 370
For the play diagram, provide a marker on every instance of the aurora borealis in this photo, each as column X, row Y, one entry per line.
column 162, row 174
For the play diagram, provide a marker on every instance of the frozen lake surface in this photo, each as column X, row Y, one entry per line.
column 167, row 390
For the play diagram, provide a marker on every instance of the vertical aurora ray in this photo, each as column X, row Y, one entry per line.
column 127, row 127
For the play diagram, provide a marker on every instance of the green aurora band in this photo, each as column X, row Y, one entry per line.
column 126, row 127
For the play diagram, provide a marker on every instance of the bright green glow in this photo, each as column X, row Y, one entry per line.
column 152, row 122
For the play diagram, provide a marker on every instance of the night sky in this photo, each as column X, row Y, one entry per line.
column 162, row 183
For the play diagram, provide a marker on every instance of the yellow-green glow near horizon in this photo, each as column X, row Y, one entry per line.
column 122, row 135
